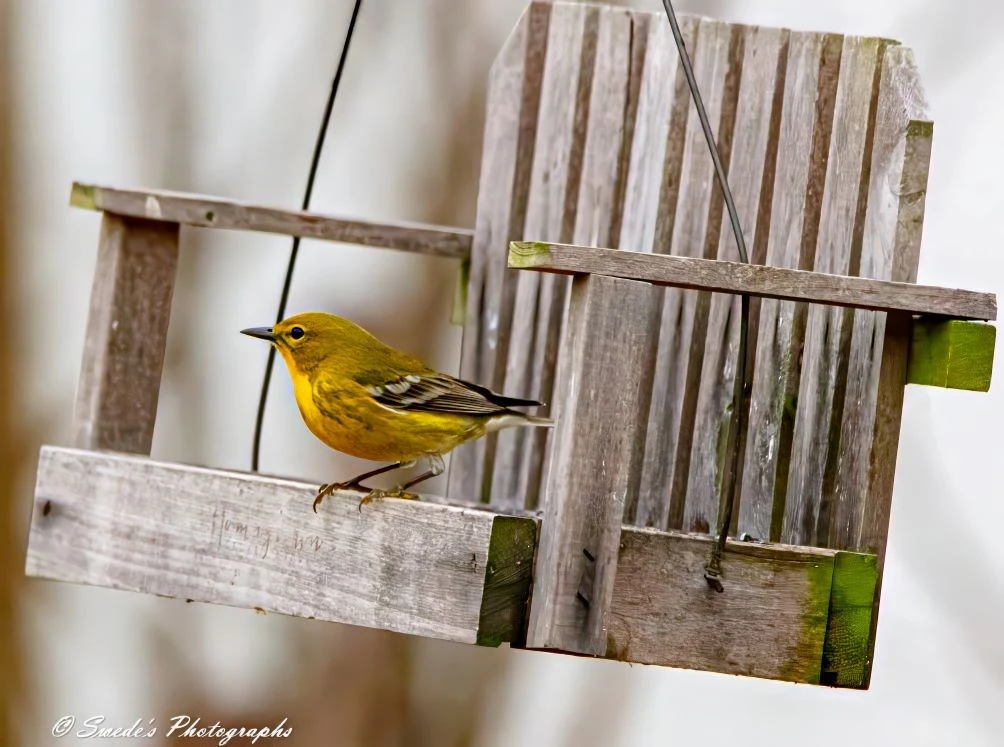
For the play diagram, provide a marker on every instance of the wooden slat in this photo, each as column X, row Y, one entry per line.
column 889, row 162
column 749, row 150
column 803, row 140
column 808, row 506
column 590, row 202
column 902, row 103
column 510, row 133
column 556, row 170
column 251, row 541
column 667, row 443
column 218, row 212
column 770, row 622
column 126, row 338
column 952, row 354
column 756, row 280
column 600, row 386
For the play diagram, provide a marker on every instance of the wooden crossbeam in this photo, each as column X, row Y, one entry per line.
column 217, row 212
column 757, row 280
column 222, row 537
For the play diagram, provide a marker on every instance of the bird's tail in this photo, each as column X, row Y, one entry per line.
column 512, row 419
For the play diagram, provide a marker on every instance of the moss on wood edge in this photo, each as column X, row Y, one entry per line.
column 82, row 196
column 952, row 353
column 847, row 646
column 508, row 575
column 528, row 254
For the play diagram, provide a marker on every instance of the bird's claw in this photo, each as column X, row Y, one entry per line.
column 378, row 494
column 328, row 488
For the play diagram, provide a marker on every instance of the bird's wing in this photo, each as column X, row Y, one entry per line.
column 437, row 392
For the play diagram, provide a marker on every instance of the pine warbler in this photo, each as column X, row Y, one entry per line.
column 368, row 400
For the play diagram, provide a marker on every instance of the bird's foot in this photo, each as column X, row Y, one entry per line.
column 378, row 494
column 329, row 488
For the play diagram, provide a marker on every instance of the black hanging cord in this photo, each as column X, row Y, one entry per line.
column 284, row 298
column 713, row 571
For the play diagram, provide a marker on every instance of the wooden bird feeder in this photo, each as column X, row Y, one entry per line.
column 622, row 313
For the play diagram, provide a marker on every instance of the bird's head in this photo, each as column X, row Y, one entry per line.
column 305, row 340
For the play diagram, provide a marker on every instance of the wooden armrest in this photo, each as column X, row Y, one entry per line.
column 217, row 212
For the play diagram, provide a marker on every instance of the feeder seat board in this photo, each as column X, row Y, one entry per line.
column 601, row 277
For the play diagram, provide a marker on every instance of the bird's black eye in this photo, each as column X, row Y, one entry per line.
column 296, row 333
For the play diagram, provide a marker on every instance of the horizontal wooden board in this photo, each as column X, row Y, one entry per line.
column 244, row 540
column 442, row 571
column 217, row 212
column 770, row 621
column 756, row 280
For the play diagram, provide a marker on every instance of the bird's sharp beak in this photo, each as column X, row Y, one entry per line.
column 262, row 333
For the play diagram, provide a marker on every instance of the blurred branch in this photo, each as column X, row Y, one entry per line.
column 12, row 694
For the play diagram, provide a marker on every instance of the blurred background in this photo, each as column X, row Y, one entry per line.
column 224, row 98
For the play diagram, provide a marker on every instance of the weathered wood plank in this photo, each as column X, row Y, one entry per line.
column 608, row 337
column 556, row 170
column 748, row 159
column 770, row 623
column 901, row 99
column 246, row 540
column 808, row 506
column 667, row 441
column 846, row 653
column 590, row 203
column 656, row 169
column 126, row 338
column 510, row 127
column 952, row 354
column 757, row 280
column 217, row 212
column 809, row 86
column 899, row 177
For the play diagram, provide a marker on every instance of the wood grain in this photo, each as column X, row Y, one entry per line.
column 667, row 443
column 126, row 338
column 903, row 110
column 508, row 148
column 217, row 212
column 748, row 159
column 807, row 98
column 771, row 621
column 757, row 280
column 556, row 169
column 952, row 354
column 600, row 387
column 810, row 496
column 251, row 541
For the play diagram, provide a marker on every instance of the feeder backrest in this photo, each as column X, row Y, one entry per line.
column 592, row 138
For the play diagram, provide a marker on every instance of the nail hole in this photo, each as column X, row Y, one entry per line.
column 47, row 508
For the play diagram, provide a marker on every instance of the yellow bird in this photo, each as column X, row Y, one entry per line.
column 368, row 400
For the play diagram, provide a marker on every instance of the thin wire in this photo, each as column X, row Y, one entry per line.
column 713, row 571
column 294, row 252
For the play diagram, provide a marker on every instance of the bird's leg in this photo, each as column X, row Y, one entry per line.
column 436, row 467
column 356, row 483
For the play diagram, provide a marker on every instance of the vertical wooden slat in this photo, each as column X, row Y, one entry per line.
column 666, row 441
column 589, row 201
column 510, row 128
column 806, row 510
column 900, row 161
column 746, row 173
column 550, row 175
column 126, row 339
column 801, row 118
column 606, row 339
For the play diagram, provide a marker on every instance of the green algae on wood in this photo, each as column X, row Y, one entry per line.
column 848, row 631
column 508, row 573
column 458, row 314
column 951, row 353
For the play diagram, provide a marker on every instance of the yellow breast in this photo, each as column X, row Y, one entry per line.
column 350, row 421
